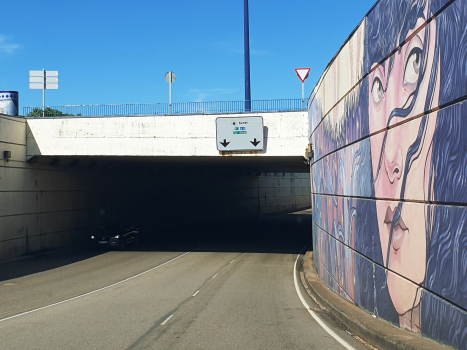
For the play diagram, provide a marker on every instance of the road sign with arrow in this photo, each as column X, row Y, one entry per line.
column 255, row 143
column 240, row 134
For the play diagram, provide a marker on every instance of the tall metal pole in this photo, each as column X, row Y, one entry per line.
column 43, row 95
column 247, row 58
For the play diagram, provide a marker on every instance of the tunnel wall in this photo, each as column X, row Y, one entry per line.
column 283, row 192
column 41, row 207
column 165, row 197
column 388, row 122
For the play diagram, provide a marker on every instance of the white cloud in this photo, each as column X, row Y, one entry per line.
column 6, row 46
column 199, row 95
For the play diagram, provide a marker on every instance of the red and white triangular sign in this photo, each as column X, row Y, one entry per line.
column 302, row 73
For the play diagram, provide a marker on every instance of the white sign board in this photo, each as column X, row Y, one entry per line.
column 302, row 73
column 40, row 73
column 40, row 86
column 240, row 134
column 43, row 79
column 37, row 86
column 36, row 80
column 170, row 77
column 36, row 73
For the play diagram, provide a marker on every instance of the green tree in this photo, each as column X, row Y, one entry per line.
column 49, row 112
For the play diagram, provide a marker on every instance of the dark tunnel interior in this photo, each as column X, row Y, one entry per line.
column 186, row 207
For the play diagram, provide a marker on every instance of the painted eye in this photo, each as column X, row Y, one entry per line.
column 377, row 91
column 412, row 68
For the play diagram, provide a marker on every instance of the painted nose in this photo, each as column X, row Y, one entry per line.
column 394, row 166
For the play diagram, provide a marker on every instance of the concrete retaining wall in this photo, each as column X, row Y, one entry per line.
column 41, row 207
column 283, row 192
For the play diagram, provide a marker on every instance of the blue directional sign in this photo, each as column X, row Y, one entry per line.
column 240, row 134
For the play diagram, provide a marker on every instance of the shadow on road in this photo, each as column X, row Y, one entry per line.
column 278, row 234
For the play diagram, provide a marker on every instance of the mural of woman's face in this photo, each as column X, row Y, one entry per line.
column 391, row 88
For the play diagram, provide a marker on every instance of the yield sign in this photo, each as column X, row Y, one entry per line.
column 302, row 73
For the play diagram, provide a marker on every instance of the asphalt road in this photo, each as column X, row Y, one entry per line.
column 222, row 293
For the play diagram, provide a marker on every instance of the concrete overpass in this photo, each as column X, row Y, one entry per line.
column 183, row 139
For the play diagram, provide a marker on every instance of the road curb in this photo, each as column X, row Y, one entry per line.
column 375, row 331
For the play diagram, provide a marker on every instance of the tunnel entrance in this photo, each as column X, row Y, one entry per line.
column 195, row 202
column 170, row 199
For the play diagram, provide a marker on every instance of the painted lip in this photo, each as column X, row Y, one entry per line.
column 400, row 229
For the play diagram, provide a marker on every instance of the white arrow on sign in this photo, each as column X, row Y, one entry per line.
column 302, row 73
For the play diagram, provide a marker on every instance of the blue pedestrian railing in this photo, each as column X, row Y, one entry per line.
column 164, row 108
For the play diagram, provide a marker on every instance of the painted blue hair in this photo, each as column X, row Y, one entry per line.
column 444, row 305
column 386, row 26
column 445, row 296
column 444, row 289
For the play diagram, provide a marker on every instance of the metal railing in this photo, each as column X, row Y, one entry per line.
column 164, row 108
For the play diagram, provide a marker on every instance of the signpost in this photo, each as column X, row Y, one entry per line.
column 170, row 78
column 240, row 134
column 42, row 80
column 302, row 74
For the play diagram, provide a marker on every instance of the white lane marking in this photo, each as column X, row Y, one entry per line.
column 232, row 261
column 215, row 275
column 94, row 291
column 313, row 314
column 168, row 318
column 196, row 293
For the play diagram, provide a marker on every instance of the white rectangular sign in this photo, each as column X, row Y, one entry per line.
column 240, row 134
column 39, row 86
column 36, row 79
column 36, row 73
column 51, row 73
column 51, row 80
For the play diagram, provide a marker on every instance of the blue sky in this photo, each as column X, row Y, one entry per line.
column 117, row 51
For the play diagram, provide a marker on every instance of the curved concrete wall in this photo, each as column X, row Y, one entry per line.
column 388, row 123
